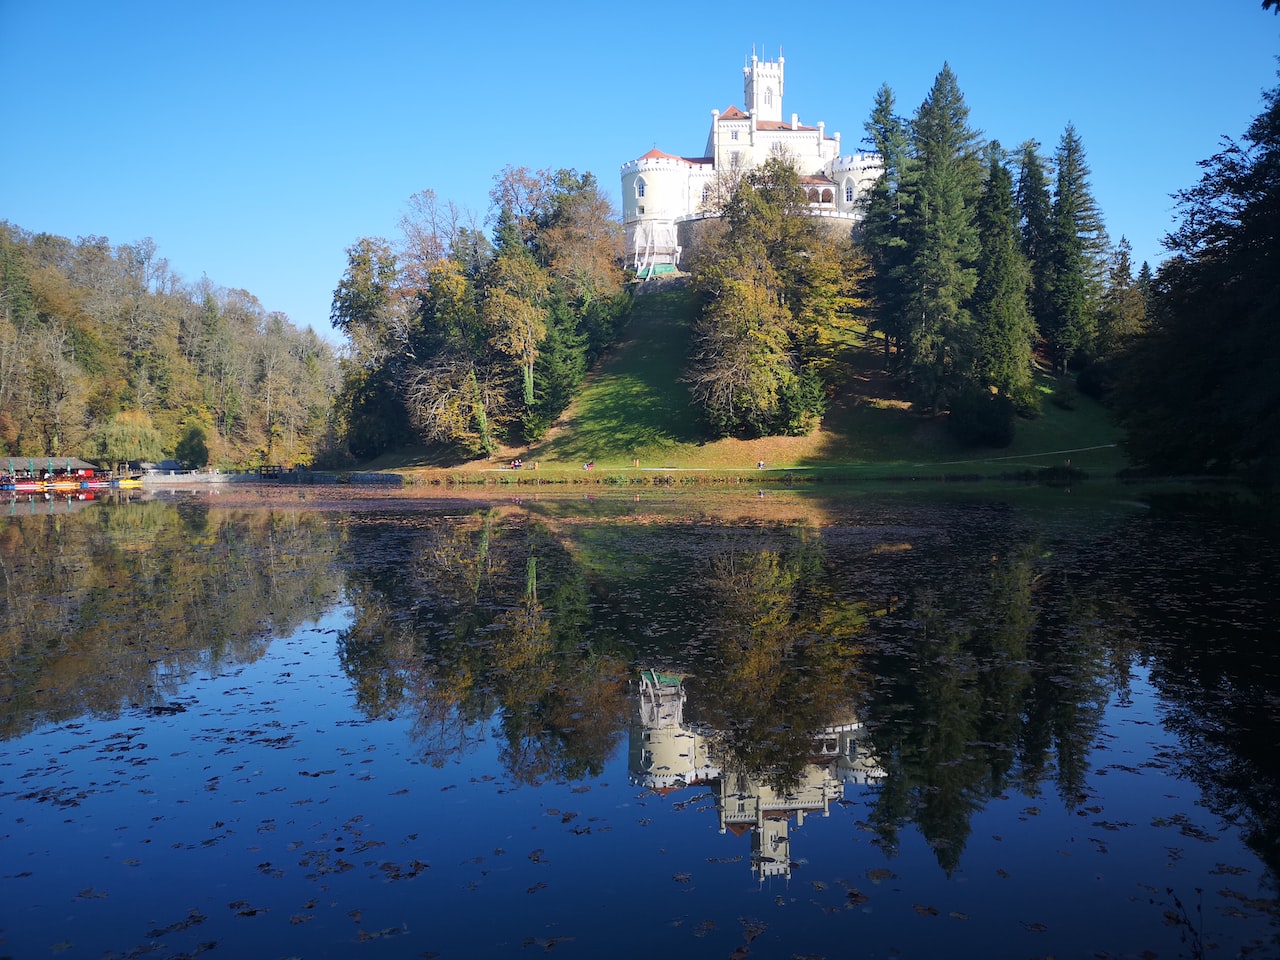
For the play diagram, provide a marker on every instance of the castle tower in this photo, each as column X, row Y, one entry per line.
column 762, row 89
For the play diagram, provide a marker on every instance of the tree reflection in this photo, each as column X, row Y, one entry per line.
column 669, row 753
column 989, row 677
column 118, row 605
column 475, row 625
column 949, row 661
column 787, row 651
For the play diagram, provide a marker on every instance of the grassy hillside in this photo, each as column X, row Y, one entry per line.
column 633, row 414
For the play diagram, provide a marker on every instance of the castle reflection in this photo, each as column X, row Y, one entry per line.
column 668, row 754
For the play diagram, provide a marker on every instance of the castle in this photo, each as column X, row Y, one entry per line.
column 664, row 196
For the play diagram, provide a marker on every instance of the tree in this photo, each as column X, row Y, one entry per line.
column 579, row 238
column 192, row 450
column 1077, row 253
column 367, row 308
column 515, row 311
column 1035, row 206
column 1004, row 328
column 883, row 225
column 773, row 291
column 1124, row 310
column 942, row 244
column 128, row 437
column 454, row 395
column 1198, row 390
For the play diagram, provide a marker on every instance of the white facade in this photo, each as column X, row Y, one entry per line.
column 660, row 190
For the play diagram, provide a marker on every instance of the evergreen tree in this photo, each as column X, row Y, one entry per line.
column 1077, row 253
column 1005, row 331
column 1036, row 209
column 1146, row 285
column 1198, row 390
column 1124, row 308
column 942, row 243
column 883, row 225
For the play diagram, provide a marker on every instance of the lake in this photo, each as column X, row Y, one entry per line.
column 915, row 722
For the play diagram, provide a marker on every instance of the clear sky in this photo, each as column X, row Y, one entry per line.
column 255, row 141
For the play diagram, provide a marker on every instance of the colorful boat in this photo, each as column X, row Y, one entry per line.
column 59, row 479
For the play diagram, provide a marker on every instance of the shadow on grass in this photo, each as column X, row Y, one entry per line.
column 634, row 405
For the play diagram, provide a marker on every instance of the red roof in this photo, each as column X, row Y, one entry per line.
column 656, row 154
column 733, row 113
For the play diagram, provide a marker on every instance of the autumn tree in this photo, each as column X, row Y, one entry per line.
column 455, row 393
column 89, row 328
column 129, row 437
column 773, row 290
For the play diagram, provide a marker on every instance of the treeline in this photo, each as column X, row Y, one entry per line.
column 472, row 343
column 1199, row 391
column 107, row 354
column 970, row 267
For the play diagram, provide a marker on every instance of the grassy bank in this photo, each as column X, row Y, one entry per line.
column 634, row 422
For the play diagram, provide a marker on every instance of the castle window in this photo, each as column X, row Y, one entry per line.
column 768, row 96
column 706, row 193
column 733, row 135
column 640, row 186
column 848, row 192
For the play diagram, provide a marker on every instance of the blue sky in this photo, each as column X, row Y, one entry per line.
column 255, row 141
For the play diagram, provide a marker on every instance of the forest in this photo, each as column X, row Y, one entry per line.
column 109, row 355
column 977, row 270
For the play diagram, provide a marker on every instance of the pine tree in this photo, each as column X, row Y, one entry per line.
column 884, row 223
column 1035, row 207
column 1124, row 309
column 1198, row 390
column 1077, row 253
column 942, row 243
column 1005, row 330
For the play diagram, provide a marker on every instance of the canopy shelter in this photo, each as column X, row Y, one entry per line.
column 44, row 464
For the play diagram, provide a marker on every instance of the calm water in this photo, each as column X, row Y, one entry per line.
column 740, row 725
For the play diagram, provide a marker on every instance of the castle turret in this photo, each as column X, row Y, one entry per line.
column 762, row 89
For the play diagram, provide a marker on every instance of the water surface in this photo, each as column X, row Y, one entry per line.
column 778, row 724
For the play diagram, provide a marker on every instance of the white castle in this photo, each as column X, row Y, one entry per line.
column 663, row 196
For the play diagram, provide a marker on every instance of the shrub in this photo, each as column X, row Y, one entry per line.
column 981, row 418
